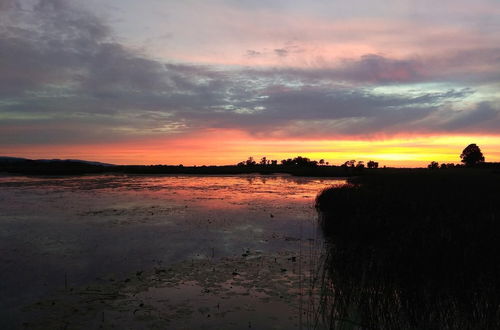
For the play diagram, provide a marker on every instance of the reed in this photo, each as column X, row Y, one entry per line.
column 412, row 250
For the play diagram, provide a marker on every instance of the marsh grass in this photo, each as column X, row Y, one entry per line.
column 412, row 250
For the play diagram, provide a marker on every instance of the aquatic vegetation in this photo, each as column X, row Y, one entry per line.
column 414, row 250
column 254, row 290
column 115, row 226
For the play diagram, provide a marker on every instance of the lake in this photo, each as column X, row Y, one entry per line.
column 156, row 251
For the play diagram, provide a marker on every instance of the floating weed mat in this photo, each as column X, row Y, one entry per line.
column 253, row 290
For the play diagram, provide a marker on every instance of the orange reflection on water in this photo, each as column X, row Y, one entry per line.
column 208, row 192
column 231, row 191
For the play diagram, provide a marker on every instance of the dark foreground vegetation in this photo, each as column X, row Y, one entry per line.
column 413, row 250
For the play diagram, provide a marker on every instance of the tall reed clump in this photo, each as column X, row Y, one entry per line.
column 412, row 250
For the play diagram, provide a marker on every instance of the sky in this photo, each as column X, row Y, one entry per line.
column 216, row 81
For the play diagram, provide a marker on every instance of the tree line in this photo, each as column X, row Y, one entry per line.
column 300, row 161
column 297, row 161
column 471, row 156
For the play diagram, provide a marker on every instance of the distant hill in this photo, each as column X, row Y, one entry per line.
column 5, row 159
column 75, row 161
column 10, row 160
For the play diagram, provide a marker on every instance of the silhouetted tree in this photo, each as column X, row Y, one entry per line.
column 299, row 161
column 250, row 161
column 274, row 162
column 372, row 164
column 360, row 165
column 263, row 161
column 472, row 155
column 433, row 165
column 321, row 162
column 349, row 163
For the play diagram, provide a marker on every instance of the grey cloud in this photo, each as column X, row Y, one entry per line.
column 369, row 69
column 253, row 53
column 288, row 48
column 483, row 113
column 347, row 111
column 340, row 103
column 281, row 52
column 67, row 79
column 8, row 5
column 45, row 43
column 481, row 65
column 375, row 68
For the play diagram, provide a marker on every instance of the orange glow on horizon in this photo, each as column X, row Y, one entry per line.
column 228, row 147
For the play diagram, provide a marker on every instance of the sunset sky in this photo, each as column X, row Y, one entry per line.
column 215, row 81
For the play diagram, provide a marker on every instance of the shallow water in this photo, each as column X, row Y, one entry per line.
column 66, row 232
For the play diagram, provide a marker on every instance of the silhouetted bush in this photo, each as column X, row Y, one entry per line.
column 433, row 165
column 372, row 164
column 299, row 161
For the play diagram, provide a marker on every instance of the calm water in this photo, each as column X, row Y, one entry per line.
column 56, row 232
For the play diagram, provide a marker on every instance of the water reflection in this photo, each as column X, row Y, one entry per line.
column 212, row 192
column 92, row 226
